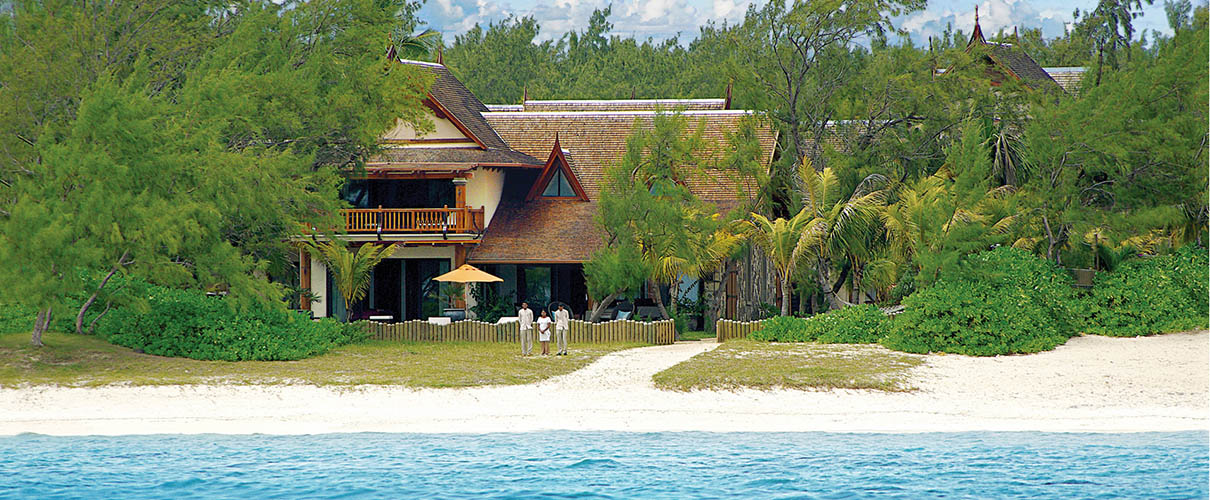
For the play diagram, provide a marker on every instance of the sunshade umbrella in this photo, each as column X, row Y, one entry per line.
column 468, row 274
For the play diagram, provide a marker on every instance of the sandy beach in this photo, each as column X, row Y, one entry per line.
column 1090, row 384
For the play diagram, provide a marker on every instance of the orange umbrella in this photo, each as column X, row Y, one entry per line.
column 468, row 274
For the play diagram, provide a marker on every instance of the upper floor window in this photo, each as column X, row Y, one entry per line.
column 558, row 186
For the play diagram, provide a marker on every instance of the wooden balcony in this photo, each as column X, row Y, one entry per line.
column 414, row 220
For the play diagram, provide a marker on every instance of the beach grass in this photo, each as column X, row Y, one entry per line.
column 766, row 365
column 85, row 361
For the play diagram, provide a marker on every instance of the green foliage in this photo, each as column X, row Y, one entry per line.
column 490, row 305
column 351, row 269
column 1005, row 301
column 190, row 148
column 190, row 324
column 861, row 324
column 1151, row 295
column 16, row 318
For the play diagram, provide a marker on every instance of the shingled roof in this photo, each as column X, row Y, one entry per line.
column 625, row 105
column 451, row 99
column 1068, row 77
column 454, row 97
column 597, row 139
column 1014, row 61
column 468, row 157
column 546, row 230
column 543, row 230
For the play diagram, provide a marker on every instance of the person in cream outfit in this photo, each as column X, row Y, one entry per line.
column 526, row 318
column 562, row 321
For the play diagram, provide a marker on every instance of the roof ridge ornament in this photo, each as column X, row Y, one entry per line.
column 440, row 56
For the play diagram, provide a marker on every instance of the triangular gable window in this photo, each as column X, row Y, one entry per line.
column 558, row 186
column 557, row 180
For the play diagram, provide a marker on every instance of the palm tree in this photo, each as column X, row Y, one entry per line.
column 351, row 270
column 782, row 240
column 839, row 224
column 405, row 45
column 691, row 254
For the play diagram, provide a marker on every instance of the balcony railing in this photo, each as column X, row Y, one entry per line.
column 413, row 220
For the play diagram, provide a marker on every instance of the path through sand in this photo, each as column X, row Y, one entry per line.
column 1091, row 384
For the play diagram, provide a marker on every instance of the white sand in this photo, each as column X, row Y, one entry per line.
column 1090, row 384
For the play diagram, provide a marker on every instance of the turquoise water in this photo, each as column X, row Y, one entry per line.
column 609, row 465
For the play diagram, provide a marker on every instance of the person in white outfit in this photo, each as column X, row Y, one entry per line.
column 562, row 322
column 544, row 332
column 526, row 318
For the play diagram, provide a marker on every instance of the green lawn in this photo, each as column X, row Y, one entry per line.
column 697, row 335
column 763, row 365
column 76, row 361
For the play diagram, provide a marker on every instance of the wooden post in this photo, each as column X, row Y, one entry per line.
column 459, row 260
column 304, row 278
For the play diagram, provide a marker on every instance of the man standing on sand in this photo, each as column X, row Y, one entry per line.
column 562, row 320
column 526, row 317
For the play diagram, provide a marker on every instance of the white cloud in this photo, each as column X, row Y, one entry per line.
column 662, row 19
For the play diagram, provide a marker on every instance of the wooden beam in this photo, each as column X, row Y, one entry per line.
column 304, row 277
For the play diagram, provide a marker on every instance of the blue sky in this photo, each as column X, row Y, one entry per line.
column 661, row 19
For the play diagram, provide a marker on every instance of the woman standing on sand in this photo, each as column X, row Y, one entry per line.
column 544, row 332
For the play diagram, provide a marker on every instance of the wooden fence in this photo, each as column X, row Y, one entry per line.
column 731, row 330
column 578, row 332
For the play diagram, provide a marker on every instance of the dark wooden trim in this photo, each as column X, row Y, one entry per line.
column 457, row 123
column 428, row 141
column 556, row 160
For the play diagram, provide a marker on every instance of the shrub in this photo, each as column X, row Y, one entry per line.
column 862, row 324
column 187, row 323
column 1005, row 301
column 781, row 329
column 15, row 318
column 1161, row 294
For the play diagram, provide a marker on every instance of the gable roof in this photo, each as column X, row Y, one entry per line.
column 451, row 96
column 1068, row 77
column 558, row 162
column 1013, row 60
column 450, row 99
column 597, row 139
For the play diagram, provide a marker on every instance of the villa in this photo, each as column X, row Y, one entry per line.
column 512, row 189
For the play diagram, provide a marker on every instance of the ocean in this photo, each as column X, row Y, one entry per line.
column 609, row 465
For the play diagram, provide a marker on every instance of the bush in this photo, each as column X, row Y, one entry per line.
column 1005, row 301
column 862, row 324
column 187, row 323
column 1161, row 294
column 16, row 319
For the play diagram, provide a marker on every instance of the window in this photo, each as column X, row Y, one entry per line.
column 558, row 186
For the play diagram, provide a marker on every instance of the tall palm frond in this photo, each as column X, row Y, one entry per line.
column 351, row 269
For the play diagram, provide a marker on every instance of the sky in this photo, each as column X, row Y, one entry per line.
column 662, row 19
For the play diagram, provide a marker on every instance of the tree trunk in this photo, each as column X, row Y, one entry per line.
column 659, row 300
column 674, row 296
column 93, row 298
column 41, row 323
column 601, row 307
column 92, row 325
column 1100, row 63
column 785, row 296
column 822, row 277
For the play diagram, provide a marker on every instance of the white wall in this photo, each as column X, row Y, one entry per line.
column 484, row 189
column 443, row 129
column 319, row 286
